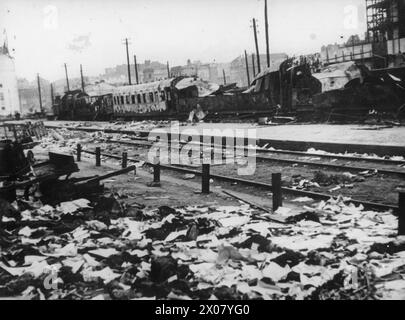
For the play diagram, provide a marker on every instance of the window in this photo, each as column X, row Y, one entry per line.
column 162, row 96
column 151, row 97
column 133, row 99
column 115, row 99
column 122, row 99
column 156, row 96
column 138, row 97
column 144, row 97
column 1, row 85
column 127, row 99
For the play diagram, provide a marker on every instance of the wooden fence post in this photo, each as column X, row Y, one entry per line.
column 79, row 152
column 401, row 214
column 205, row 179
column 156, row 170
column 277, row 192
column 124, row 160
column 98, row 156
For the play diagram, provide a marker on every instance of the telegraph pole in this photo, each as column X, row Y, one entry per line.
column 168, row 70
column 129, row 68
column 253, row 64
column 52, row 98
column 267, row 33
column 136, row 70
column 39, row 93
column 247, row 68
column 257, row 45
column 67, row 78
column 81, row 77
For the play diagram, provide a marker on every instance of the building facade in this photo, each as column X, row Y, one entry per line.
column 148, row 71
column 204, row 71
column 29, row 96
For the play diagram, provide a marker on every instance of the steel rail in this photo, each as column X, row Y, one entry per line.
column 290, row 161
column 295, row 192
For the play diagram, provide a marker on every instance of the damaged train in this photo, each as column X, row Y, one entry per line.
column 346, row 91
column 342, row 91
column 172, row 98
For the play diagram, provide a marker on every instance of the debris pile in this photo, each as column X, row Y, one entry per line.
column 358, row 155
column 123, row 125
column 106, row 249
column 64, row 140
column 336, row 181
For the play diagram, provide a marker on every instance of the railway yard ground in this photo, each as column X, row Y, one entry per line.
column 334, row 237
column 346, row 133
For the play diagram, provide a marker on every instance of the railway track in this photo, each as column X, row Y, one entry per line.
column 256, row 184
column 141, row 136
column 340, row 167
column 286, row 159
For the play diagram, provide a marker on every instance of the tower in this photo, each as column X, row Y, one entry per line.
column 9, row 99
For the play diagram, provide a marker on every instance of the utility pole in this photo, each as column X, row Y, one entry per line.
column 267, row 33
column 81, row 77
column 168, row 70
column 136, row 70
column 353, row 45
column 67, row 78
column 129, row 68
column 52, row 98
column 223, row 74
column 257, row 45
column 247, row 68
column 253, row 64
column 39, row 93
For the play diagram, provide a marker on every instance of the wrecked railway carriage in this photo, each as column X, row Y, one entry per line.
column 344, row 91
column 351, row 91
column 171, row 98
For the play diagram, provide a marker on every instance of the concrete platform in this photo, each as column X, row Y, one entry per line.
column 332, row 138
column 350, row 134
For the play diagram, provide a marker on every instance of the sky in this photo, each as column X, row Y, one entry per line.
column 45, row 34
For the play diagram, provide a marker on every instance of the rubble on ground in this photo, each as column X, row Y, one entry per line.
column 358, row 155
column 125, row 125
column 107, row 250
column 313, row 151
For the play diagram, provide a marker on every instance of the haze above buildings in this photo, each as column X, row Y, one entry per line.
column 45, row 34
column 212, row 49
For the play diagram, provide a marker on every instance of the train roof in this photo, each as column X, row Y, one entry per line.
column 205, row 88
